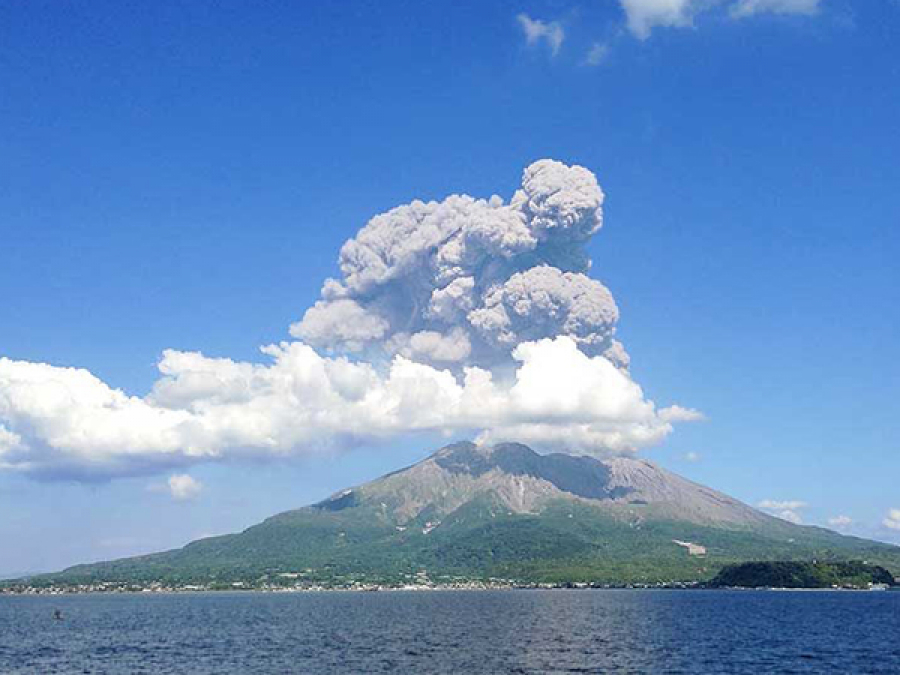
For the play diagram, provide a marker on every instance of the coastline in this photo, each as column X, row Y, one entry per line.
column 23, row 591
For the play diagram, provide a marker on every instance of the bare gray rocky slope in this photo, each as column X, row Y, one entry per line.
column 525, row 482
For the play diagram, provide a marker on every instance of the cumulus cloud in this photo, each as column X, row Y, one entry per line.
column 563, row 398
column 205, row 408
column 464, row 316
column 840, row 522
column 183, row 487
column 892, row 520
column 786, row 510
column 537, row 31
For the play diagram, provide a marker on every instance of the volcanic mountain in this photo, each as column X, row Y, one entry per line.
column 504, row 512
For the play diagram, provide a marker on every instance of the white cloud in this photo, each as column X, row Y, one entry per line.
column 466, row 316
column 840, row 522
column 786, row 510
column 8, row 443
column 692, row 456
column 536, row 31
column 774, row 504
column 596, row 54
column 204, row 409
column 675, row 413
column 644, row 15
column 183, row 487
column 746, row 8
column 565, row 400
column 892, row 520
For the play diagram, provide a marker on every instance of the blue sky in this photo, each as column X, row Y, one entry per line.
column 183, row 176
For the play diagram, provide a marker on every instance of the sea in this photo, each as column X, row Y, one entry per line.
column 516, row 631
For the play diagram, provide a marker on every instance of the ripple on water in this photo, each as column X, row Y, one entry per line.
column 521, row 632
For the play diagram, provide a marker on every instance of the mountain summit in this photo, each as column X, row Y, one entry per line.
column 504, row 511
column 515, row 478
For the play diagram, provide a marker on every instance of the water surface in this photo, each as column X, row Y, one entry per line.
column 581, row 631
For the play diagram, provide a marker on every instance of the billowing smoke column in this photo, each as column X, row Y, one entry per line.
column 436, row 304
column 463, row 281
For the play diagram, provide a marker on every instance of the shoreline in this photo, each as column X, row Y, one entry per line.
column 59, row 591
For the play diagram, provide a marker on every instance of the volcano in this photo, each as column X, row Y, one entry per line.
column 478, row 512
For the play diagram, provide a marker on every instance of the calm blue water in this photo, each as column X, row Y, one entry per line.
column 455, row 632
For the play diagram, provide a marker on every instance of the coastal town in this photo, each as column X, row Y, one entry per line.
column 816, row 575
column 294, row 583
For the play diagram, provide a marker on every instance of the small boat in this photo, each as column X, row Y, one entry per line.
column 57, row 615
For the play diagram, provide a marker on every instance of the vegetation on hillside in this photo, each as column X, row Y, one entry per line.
column 792, row 574
column 571, row 541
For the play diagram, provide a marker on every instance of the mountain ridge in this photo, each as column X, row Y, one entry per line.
column 523, row 479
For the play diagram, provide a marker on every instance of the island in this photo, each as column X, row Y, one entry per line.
column 792, row 574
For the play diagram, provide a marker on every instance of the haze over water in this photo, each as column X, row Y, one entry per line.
column 454, row 632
